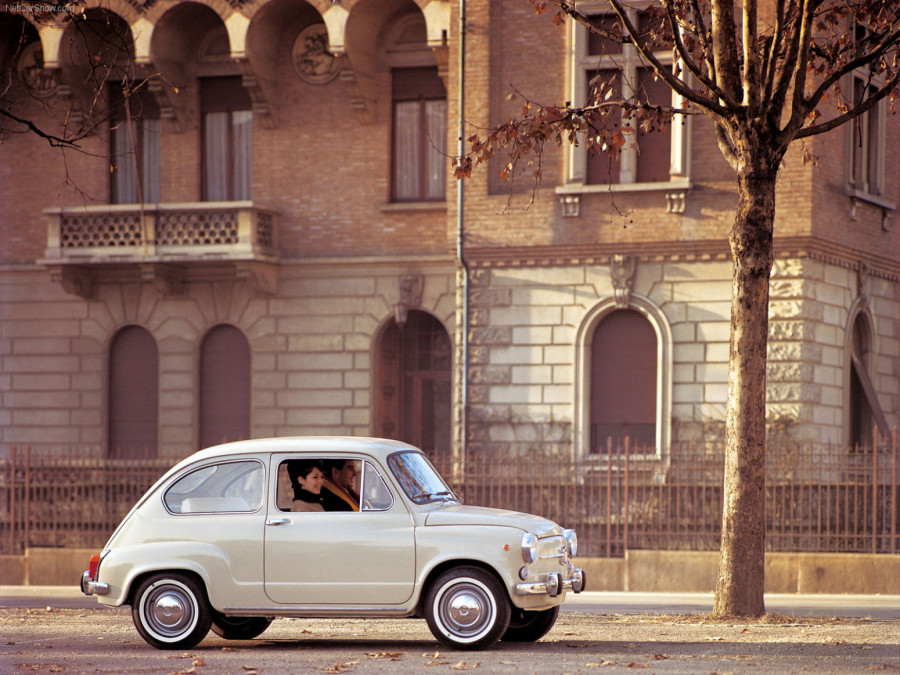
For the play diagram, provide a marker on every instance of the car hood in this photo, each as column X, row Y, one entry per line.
column 477, row 515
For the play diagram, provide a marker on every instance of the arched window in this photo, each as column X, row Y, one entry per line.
column 865, row 411
column 224, row 386
column 623, row 381
column 413, row 397
column 623, row 378
column 133, row 394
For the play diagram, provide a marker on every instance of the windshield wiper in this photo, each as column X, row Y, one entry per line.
column 434, row 496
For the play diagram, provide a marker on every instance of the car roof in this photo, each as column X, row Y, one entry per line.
column 380, row 447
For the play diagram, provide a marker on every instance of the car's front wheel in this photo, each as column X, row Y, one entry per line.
column 170, row 611
column 239, row 627
column 467, row 608
column 526, row 626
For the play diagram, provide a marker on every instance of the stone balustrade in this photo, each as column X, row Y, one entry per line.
column 160, row 232
column 167, row 244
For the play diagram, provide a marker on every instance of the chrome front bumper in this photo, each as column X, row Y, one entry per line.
column 91, row 587
column 555, row 584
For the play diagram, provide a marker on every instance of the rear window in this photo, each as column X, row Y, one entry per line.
column 230, row 487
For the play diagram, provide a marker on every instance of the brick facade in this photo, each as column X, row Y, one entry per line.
column 539, row 276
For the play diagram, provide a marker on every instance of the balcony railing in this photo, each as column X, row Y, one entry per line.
column 122, row 232
column 85, row 245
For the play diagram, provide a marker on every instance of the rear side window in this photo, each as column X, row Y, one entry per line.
column 231, row 487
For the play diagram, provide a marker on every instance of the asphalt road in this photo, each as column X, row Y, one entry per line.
column 57, row 630
column 591, row 602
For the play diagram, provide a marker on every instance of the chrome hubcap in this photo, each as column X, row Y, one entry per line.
column 465, row 609
column 169, row 611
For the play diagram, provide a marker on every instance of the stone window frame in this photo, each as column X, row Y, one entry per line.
column 579, row 62
column 860, row 130
column 664, row 373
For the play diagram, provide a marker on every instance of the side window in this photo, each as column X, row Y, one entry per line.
column 376, row 494
column 232, row 487
column 330, row 484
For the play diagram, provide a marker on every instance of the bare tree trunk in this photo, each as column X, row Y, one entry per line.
column 740, row 584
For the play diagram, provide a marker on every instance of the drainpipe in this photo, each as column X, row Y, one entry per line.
column 460, row 232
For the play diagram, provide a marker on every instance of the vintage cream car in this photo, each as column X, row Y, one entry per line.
column 218, row 542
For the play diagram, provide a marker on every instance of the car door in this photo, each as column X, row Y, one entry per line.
column 364, row 557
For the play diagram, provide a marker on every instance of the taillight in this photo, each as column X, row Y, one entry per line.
column 95, row 563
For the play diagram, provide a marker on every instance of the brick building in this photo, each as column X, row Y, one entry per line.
column 258, row 236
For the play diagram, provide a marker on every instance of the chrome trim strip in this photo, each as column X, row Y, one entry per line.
column 320, row 611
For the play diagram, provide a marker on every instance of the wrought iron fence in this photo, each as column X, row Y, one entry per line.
column 819, row 499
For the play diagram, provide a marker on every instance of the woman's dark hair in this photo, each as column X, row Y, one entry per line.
column 302, row 469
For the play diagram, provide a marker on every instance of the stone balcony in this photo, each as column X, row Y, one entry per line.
column 163, row 244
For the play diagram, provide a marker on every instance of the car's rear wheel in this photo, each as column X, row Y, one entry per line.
column 239, row 627
column 525, row 626
column 467, row 608
column 170, row 611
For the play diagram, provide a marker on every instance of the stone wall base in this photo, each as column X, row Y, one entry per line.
column 639, row 571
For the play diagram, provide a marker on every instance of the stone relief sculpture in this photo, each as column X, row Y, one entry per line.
column 411, row 286
column 39, row 81
column 621, row 269
column 312, row 60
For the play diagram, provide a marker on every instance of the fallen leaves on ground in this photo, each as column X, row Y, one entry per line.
column 393, row 656
column 462, row 665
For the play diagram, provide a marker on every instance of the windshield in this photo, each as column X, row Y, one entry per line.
column 419, row 479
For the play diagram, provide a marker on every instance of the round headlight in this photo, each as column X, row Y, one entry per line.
column 529, row 547
column 572, row 541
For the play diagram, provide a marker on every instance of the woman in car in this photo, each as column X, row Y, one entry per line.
column 307, row 478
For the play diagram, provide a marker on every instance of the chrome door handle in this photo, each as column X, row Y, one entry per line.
column 278, row 521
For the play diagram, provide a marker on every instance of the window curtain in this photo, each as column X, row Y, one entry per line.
column 406, row 150
column 124, row 181
column 436, row 133
column 150, row 166
column 135, row 150
column 242, row 126
column 215, row 141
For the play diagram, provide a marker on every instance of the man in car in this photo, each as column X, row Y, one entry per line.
column 339, row 490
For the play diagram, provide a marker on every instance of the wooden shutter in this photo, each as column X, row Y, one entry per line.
column 224, row 386
column 133, row 394
column 623, row 381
